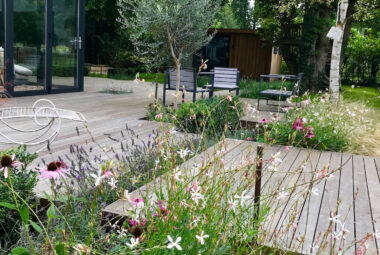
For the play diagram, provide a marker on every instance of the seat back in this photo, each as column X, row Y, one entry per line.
column 226, row 77
column 188, row 79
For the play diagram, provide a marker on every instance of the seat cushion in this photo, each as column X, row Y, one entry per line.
column 22, row 70
column 273, row 92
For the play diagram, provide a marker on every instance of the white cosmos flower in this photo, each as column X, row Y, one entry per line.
column 282, row 194
column 112, row 183
column 183, row 153
column 134, row 242
column 242, row 197
column 196, row 196
column 98, row 178
column 177, row 176
column 335, row 218
column 126, row 195
column 201, row 238
column 175, row 244
column 232, row 204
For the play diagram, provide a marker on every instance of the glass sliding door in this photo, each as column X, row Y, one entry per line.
column 65, row 44
column 29, row 45
column 41, row 46
column 2, row 43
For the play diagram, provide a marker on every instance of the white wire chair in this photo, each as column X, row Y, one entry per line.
column 46, row 117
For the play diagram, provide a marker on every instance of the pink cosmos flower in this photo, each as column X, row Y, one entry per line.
column 54, row 170
column 107, row 174
column 264, row 121
column 222, row 161
column 7, row 161
column 248, row 139
column 309, row 132
column 229, row 98
column 298, row 124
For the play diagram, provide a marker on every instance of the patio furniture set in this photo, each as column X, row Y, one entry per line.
column 226, row 79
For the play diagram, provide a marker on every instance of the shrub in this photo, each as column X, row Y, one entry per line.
column 212, row 116
column 339, row 127
column 23, row 181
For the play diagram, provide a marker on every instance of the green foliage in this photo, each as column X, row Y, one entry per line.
column 370, row 96
column 212, row 116
column 23, row 180
column 362, row 58
column 243, row 13
column 167, row 29
column 335, row 127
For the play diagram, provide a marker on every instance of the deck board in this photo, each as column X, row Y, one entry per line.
column 363, row 216
column 309, row 211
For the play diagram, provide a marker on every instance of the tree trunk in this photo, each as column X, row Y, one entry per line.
column 178, row 81
column 336, row 33
column 290, row 58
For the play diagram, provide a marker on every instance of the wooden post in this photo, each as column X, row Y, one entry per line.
column 259, row 167
column 156, row 91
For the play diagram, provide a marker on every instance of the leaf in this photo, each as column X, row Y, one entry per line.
column 8, row 205
column 35, row 226
column 19, row 251
column 51, row 212
column 60, row 249
column 24, row 213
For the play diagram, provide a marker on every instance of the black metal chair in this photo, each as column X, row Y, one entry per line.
column 279, row 94
column 188, row 82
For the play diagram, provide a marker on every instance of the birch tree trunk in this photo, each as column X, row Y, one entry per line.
column 336, row 33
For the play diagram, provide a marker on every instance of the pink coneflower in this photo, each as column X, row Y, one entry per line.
column 309, row 132
column 137, row 201
column 298, row 124
column 264, row 121
column 158, row 116
column 8, row 161
column 54, row 170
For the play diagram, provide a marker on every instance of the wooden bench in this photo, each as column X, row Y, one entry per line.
column 188, row 82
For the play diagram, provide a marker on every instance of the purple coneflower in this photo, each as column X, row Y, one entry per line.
column 298, row 124
column 54, row 170
column 309, row 132
column 264, row 121
column 8, row 161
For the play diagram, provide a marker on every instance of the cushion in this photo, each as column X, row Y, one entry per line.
column 22, row 70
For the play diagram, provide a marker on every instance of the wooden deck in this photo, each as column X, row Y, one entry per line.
column 302, row 199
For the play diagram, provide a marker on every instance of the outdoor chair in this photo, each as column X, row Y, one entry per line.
column 278, row 94
column 188, row 82
column 225, row 79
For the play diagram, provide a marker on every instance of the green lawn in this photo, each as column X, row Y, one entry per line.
column 369, row 95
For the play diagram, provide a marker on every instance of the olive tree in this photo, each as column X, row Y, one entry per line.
column 161, row 28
